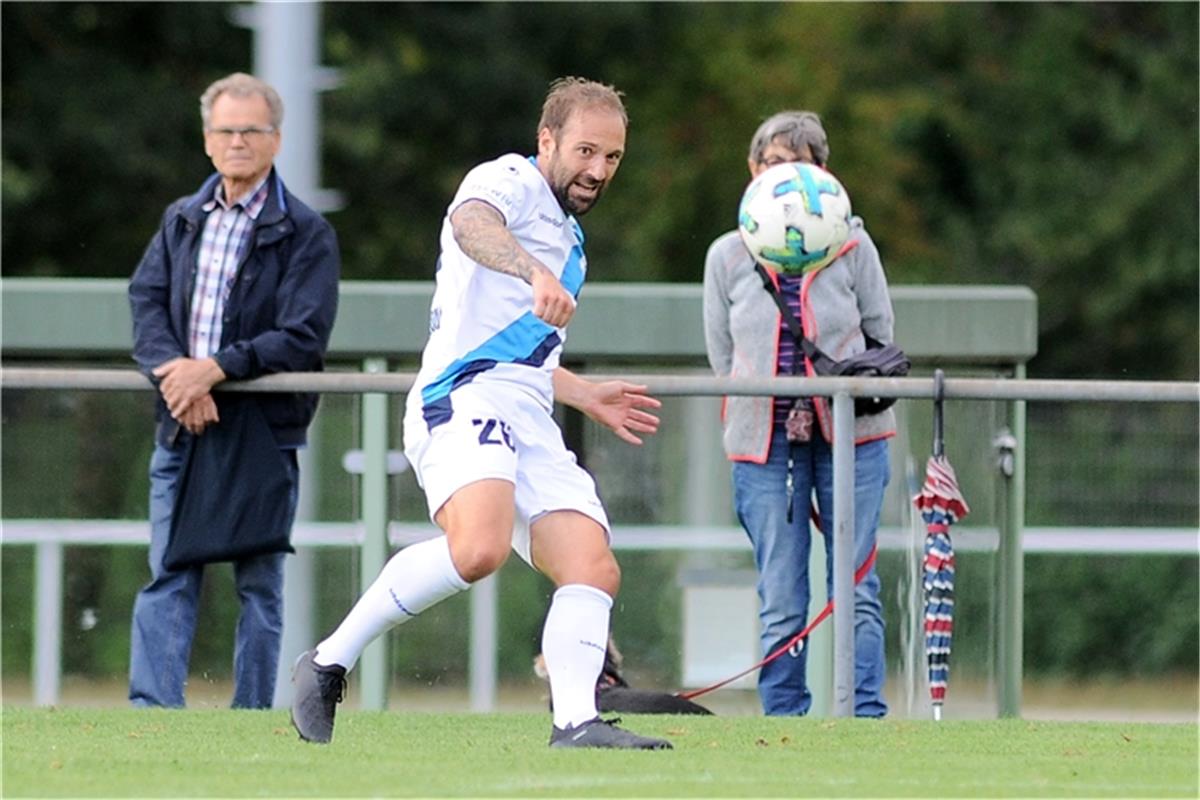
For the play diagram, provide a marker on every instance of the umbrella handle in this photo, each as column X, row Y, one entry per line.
column 939, row 393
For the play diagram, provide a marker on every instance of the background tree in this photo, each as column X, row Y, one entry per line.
column 1039, row 144
column 1047, row 145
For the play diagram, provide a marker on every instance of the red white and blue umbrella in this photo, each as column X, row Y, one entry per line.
column 941, row 505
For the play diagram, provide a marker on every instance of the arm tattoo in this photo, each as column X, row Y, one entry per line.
column 480, row 231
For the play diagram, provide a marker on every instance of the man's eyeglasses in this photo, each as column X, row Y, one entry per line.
column 249, row 135
column 775, row 161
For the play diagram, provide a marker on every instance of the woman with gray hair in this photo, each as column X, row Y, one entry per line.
column 789, row 136
column 782, row 447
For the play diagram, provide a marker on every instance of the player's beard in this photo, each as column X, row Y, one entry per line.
column 578, row 205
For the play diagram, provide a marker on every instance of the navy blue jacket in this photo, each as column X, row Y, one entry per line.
column 279, row 314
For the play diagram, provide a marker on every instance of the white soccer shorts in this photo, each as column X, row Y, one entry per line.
column 505, row 433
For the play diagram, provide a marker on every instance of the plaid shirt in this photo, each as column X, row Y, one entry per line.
column 222, row 245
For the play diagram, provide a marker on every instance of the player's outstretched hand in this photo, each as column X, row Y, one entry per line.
column 621, row 407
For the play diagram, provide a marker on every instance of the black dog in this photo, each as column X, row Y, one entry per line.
column 614, row 694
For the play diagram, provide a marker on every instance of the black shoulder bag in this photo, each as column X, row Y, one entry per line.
column 878, row 360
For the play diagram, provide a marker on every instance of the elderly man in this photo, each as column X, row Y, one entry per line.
column 240, row 280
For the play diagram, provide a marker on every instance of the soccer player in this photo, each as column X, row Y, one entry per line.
column 478, row 428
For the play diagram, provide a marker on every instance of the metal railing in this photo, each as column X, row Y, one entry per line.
column 664, row 385
column 50, row 536
column 375, row 384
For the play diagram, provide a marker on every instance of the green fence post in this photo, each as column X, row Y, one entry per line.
column 373, row 670
column 1011, row 572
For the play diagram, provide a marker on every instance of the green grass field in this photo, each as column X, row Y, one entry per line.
column 72, row 752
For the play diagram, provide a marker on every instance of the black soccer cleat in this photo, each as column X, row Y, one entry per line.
column 318, row 691
column 598, row 732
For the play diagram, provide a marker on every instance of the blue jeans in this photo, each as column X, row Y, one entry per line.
column 781, row 555
column 164, row 613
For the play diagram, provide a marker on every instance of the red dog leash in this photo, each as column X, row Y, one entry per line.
column 859, row 574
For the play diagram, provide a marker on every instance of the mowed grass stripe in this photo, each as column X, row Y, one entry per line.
column 74, row 752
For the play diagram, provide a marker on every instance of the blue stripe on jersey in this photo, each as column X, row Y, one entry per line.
column 527, row 341
column 572, row 274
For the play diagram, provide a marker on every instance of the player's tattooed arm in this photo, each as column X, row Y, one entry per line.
column 480, row 231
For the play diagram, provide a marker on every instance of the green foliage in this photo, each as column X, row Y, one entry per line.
column 1109, row 464
column 101, row 126
column 85, row 456
column 1117, row 615
column 16, row 584
column 1072, row 626
column 1050, row 145
column 1105, row 194
column 106, row 753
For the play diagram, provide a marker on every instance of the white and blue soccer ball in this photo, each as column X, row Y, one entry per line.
column 794, row 218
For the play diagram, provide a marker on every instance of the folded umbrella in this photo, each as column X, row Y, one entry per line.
column 941, row 505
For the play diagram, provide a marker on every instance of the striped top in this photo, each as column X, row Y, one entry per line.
column 789, row 352
column 222, row 246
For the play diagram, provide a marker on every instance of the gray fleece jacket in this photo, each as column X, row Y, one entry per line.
column 742, row 329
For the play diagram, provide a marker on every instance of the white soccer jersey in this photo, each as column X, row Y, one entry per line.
column 481, row 323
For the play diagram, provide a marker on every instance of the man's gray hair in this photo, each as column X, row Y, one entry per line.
column 239, row 84
column 796, row 129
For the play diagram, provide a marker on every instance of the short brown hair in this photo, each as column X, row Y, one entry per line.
column 239, row 84
column 568, row 94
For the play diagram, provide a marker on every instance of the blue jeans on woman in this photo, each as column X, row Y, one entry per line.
column 164, row 613
column 781, row 554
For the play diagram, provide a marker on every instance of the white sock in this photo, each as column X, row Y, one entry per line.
column 411, row 581
column 574, row 641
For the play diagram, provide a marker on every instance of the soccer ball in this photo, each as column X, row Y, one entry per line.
column 794, row 218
